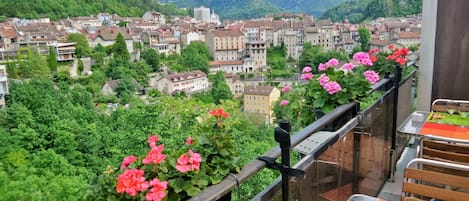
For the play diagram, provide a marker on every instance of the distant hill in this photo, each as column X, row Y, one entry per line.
column 357, row 11
column 57, row 9
column 312, row 7
column 245, row 9
column 231, row 9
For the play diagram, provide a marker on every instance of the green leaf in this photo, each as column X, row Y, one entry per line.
column 318, row 103
column 192, row 191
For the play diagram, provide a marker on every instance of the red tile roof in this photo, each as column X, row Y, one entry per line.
column 227, row 32
column 8, row 31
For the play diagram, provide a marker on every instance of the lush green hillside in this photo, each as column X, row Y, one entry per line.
column 357, row 11
column 56, row 9
column 315, row 7
column 231, row 9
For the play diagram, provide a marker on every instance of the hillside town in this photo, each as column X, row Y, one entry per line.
column 235, row 46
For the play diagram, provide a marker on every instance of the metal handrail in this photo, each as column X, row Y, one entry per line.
column 217, row 191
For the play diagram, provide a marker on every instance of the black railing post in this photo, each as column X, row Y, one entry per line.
column 397, row 80
column 282, row 136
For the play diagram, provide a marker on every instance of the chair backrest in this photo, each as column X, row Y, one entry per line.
column 442, row 105
column 426, row 184
column 445, row 150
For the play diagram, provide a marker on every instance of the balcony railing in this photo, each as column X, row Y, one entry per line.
column 357, row 158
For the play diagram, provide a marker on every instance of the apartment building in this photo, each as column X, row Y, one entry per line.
column 189, row 83
column 261, row 100
column 225, row 44
column 258, row 52
column 235, row 84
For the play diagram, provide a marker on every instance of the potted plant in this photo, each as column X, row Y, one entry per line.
column 336, row 83
column 173, row 173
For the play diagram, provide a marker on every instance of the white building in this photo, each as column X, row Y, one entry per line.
column 203, row 14
column 189, row 83
column 3, row 85
column 235, row 66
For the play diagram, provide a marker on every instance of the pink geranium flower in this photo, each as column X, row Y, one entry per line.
column 155, row 155
column 189, row 140
column 363, row 58
column 158, row 191
column 284, row 102
column 307, row 76
column 286, row 88
column 371, row 76
column 191, row 162
column 128, row 160
column 131, row 182
column 307, row 69
column 152, row 140
column 323, row 79
column 332, row 62
column 332, row 87
column 348, row 66
column 322, row 67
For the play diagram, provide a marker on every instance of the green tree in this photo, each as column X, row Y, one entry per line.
column 195, row 57
column 119, row 49
column 307, row 56
column 32, row 65
column 152, row 58
column 81, row 66
column 364, row 38
column 83, row 49
column 220, row 90
column 52, row 60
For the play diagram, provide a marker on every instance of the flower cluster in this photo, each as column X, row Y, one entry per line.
column 332, row 87
column 219, row 115
column 363, row 58
column 132, row 181
column 307, row 74
column 371, row 76
column 398, row 55
column 336, row 83
column 191, row 162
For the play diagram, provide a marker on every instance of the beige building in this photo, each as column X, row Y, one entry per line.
column 189, row 83
column 261, row 100
column 235, row 84
column 65, row 51
column 225, row 44
column 235, row 66
column 152, row 16
column 258, row 52
column 408, row 38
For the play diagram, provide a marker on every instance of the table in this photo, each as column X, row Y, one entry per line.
column 362, row 197
column 418, row 124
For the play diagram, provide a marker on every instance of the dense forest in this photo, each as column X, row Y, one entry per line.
column 57, row 9
column 316, row 8
column 233, row 9
column 357, row 11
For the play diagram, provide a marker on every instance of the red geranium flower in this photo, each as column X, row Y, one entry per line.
column 219, row 113
column 131, row 182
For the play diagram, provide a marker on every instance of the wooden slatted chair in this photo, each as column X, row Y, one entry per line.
column 442, row 105
column 446, row 150
column 427, row 184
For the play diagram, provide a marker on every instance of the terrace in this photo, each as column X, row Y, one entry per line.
column 351, row 151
